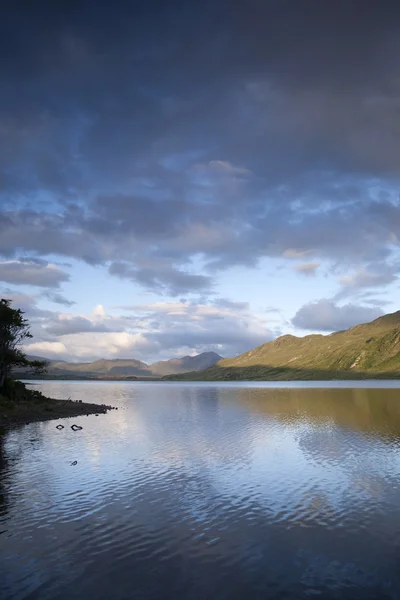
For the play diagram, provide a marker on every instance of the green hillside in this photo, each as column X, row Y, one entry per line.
column 371, row 350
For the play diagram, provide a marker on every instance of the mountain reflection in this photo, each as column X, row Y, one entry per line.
column 372, row 411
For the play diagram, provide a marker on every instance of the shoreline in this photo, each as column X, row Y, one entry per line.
column 31, row 406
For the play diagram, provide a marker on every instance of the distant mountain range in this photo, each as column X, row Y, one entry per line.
column 367, row 351
column 121, row 368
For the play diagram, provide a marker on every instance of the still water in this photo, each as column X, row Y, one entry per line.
column 194, row 491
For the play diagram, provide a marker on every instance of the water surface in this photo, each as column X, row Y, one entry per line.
column 205, row 491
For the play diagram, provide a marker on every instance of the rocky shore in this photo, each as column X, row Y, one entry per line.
column 24, row 406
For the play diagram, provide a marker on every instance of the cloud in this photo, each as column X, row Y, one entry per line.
column 326, row 315
column 219, row 306
column 230, row 304
column 99, row 312
column 32, row 272
column 295, row 253
column 308, row 269
column 51, row 350
column 163, row 255
column 374, row 299
column 151, row 331
column 271, row 140
column 221, row 168
column 161, row 276
column 363, row 278
column 58, row 298
column 26, row 302
column 91, row 346
column 228, row 329
column 66, row 325
column 315, row 154
column 99, row 321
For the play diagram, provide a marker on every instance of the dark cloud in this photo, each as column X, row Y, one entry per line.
column 375, row 276
column 34, row 261
column 143, row 217
column 74, row 324
column 45, row 232
column 32, row 272
column 326, row 315
column 149, row 137
column 374, row 299
column 161, row 276
column 361, row 231
column 58, row 299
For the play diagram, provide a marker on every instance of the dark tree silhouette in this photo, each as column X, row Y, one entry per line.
column 14, row 329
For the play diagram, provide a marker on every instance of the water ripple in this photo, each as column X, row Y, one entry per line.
column 205, row 492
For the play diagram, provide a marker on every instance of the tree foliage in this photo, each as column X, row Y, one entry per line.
column 14, row 329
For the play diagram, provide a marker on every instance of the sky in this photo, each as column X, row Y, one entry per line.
column 179, row 177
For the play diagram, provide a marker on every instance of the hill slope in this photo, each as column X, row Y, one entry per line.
column 187, row 363
column 365, row 351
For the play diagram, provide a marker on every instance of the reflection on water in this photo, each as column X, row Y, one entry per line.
column 199, row 491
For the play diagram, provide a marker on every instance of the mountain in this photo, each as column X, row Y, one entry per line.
column 116, row 367
column 122, row 368
column 187, row 363
column 371, row 350
column 33, row 357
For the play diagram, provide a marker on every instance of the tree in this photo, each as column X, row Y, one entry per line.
column 14, row 329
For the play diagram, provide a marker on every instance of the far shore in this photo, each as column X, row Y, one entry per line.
column 116, row 378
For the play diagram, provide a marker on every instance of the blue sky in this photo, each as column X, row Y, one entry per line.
column 202, row 177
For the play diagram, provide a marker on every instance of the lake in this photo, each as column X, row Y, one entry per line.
column 203, row 491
